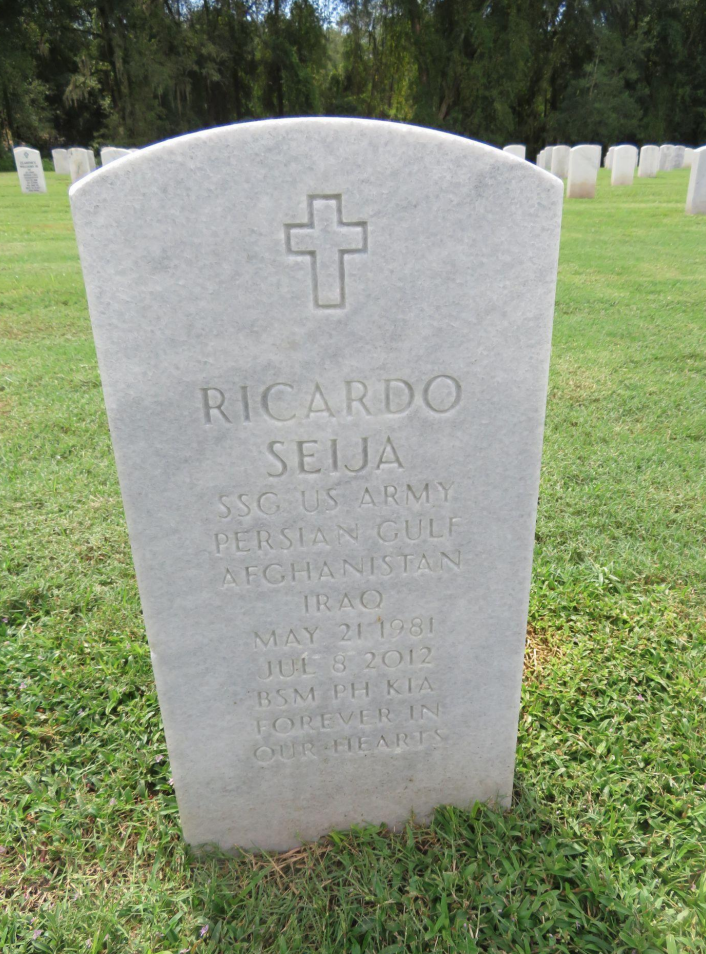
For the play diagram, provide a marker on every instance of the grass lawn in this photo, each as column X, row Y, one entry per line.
column 605, row 848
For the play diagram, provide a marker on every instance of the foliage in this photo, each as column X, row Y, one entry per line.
column 604, row 850
column 95, row 72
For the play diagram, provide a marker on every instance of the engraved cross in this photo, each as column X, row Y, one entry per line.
column 326, row 239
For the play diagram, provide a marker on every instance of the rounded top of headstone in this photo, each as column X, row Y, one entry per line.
column 316, row 134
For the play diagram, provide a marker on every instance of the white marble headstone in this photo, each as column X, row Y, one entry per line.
column 688, row 156
column 548, row 158
column 325, row 366
column 624, row 163
column 28, row 163
column 79, row 164
column 665, row 157
column 649, row 162
column 111, row 153
column 584, row 163
column 516, row 149
column 696, row 193
column 608, row 162
column 60, row 158
column 676, row 160
column 560, row 161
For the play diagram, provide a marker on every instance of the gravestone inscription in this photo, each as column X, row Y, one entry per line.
column 326, row 395
column 28, row 163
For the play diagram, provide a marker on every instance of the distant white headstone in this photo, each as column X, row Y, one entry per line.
column 60, row 158
column 584, row 163
column 665, row 157
column 696, row 193
column 624, row 163
column 688, row 156
column 326, row 387
column 28, row 163
column 548, row 158
column 560, row 161
column 649, row 162
column 79, row 163
column 91, row 159
column 516, row 150
column 111, row 153
column 677, row 157
column 608, row 162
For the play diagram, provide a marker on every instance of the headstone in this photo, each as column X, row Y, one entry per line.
column 609, row 157
column 548, row 158
column 111, row 153
column 696, row 193
column 60, row 158
column 516, row 150
column 688, row 156
column 649, row 162
column 584, row 163
column 79, row 164
column 326, row 393
column 91, row 159
column 665, row 157
column 28, row 163
column 624, row 163
column 677, row 158
column 560, row 161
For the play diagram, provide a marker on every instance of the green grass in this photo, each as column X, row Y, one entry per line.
column 605, row 847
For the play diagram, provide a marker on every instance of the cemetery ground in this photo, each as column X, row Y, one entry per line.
column 604, row 849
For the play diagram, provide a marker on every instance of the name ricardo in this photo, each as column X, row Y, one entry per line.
column 283, row 403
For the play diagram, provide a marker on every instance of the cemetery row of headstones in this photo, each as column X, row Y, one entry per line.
column 75, row 162
column 579, row 166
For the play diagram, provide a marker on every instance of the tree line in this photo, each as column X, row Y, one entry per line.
column 131, row 72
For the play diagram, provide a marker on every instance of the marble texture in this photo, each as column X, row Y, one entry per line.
column 60, row 158
column 584, row 163
column 515, row 149
column 649, row 162
column 624, row 163
column 696, row 193
column 325, row 368
column 30, row 171
column 560, row 161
